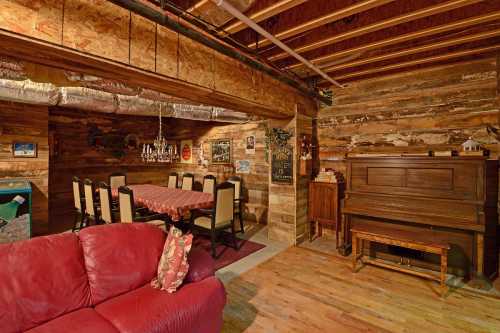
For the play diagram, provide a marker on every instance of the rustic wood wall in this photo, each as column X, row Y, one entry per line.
column 428, row 109
column 98, row 27
column 255, row 183
column 27, row 123
column 72, row 156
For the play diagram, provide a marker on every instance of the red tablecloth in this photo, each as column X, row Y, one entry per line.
column 174, row 202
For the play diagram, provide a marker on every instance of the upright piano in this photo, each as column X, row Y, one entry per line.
column 454, row 197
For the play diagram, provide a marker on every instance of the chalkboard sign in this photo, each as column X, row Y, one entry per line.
column 282, row 165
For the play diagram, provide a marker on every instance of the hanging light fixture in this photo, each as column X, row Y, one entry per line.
column 159, row 151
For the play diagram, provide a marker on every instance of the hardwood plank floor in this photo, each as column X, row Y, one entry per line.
column 300, row 290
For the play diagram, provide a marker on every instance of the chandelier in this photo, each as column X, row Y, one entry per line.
column 159, row 151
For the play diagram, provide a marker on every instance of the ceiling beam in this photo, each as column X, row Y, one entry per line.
column 264, row 14
column 406, row 37
column 428, row 11
column 332, row 17
column 418, row 49
column 428, row 60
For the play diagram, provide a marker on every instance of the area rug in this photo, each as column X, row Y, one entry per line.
column 227, row 255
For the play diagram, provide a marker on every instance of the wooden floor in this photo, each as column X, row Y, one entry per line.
column 300, row 290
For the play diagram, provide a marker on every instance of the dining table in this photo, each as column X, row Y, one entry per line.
column 173, row 202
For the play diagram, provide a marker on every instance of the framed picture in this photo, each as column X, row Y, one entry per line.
column 24, row 149
column 250, row 145
column 242, row 166
column 221, row 151
column 187, row 151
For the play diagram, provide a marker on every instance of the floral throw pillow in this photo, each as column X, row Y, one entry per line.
column 173, row 266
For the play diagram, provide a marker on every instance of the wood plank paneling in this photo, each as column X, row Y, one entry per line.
column 97, row 27
column 142, row 43
column 196, row 63
column 39, row 19
column 27, row 123
column 167, row 59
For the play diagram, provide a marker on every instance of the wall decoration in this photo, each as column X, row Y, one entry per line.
column 250, row 145
column 221, row 151
column 242, row 166
column 282, row 165
column 25, row 149
column 187, row 151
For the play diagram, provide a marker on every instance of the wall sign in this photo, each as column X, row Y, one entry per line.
column 282, row 165
column 187, row 151
column 250, row 145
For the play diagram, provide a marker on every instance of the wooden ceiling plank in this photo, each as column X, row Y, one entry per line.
column 406, row 37
column 197, row 5
column 332, row 17
column 442, row 57
column 425, row 12
column 418, row 49
column 264, row 14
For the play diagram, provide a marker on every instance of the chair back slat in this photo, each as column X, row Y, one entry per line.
column 125, row 200
column 172, row 180
column 88, row 190
column 77, row 197
column 237, row 186
column 187, row 182
column 224, row 209
column 209, row 183
column 117, row 179
column 105, row 200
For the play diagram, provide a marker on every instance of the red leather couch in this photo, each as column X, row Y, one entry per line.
column 98, row 281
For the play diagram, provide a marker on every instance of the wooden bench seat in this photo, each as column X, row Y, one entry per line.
column 428, row 242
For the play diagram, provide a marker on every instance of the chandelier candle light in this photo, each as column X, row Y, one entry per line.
column 160, row 151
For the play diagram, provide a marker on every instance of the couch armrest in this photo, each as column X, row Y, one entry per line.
column 201, row 266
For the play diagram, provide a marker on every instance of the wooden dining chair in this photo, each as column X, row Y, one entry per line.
column 187, row 181
column 128, row 212
column 209, row 183
column 79, row 205
column 108, row 213
column 238, row 200
column 91, row 206
column 117, row 179
column 219, row 218
column 172, row 180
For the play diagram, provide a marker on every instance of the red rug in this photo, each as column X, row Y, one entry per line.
column 227, row 255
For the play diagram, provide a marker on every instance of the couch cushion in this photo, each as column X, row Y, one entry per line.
column 120, row 257
column 201, row 265
column 41, row 279
column 83, row 320
column 194, row 308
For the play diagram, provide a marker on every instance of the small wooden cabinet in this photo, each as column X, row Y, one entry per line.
column 324, row 206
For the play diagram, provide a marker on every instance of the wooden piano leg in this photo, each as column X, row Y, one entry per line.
column 354, row 251
column 444, row 270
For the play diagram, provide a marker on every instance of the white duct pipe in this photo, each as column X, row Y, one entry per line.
column 245, row 19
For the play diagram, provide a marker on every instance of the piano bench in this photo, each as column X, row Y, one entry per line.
column 401, row 238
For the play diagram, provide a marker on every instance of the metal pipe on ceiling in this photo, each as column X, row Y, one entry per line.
column 245, row 19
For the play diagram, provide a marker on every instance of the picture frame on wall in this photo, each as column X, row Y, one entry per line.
column 242, row 166
column 186, row 151
column 24, row 149
column 250, row 145
column 221, row 151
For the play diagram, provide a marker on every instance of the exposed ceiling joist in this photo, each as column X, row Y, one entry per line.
column 264, row 14
column 418, row 49
column 406, row 37
column 428, row 11
column 331, row 17
column 197, row 5
column 443, row 57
